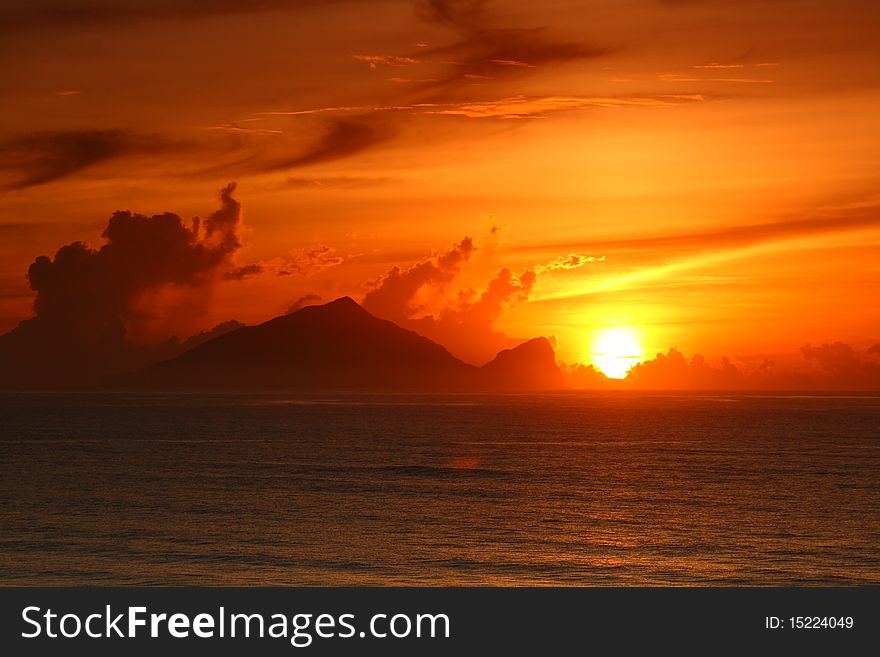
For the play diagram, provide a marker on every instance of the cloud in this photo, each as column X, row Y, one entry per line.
column 69, row 14
column 570, row 261
column 315, row 260
column 307, row 262
column 520, row 107
column 233, row 128
column 835, row 358
column 483, row 51
column 467, row 327
column 343, row 137
column 513, row 107
column 586, row 377
column 243, row 272
column 465, row 14
column 394, row 295
column 716, row 65
column 677, row 77
column 385, row 60
column 39, row 158
column 829, row 366
column 88, row 299
column 336, row 182
column 422, row 298
column 673, row 370
column 87, row 287
column 828, row 220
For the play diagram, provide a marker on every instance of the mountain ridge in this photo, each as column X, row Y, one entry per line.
column 341, row 346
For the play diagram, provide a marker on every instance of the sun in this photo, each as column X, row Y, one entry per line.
column 615, row 351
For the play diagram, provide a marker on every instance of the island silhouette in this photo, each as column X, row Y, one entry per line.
column 341, row 346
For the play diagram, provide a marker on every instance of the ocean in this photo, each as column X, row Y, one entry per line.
column 572, row 489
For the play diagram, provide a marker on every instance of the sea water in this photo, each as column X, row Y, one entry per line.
column 404, row 489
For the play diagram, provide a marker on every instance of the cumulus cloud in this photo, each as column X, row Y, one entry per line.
column 673, row 370
column 580, row 376
column 842, row 367
column 830, row 366
column 394, row 294
column 88, row 298
column 82, row 286
column 467, row 326
column 423, row 298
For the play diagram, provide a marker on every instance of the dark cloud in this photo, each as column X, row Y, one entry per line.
column 69, row 14
column 36, row 159
column 342, row 138
column 394, row 295
column 483, row 51
column 836, row 359
column 674, row 371
column 830, row 366
column 462, row 14
column 87, row 288
column 580, row 376
column 88, row 298
column 465, row 326
column 243, row 272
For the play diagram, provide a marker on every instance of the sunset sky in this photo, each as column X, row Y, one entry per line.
column 697, row 174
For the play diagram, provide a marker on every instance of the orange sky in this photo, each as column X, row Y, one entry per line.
column 702, row 174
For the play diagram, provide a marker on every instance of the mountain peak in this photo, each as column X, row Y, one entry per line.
column 531, row 364
column 343, row 302
column 342, row 305
column 341, row 346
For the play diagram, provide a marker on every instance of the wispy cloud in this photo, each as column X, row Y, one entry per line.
column 691, row 251
column 70, row 14
column 520, row 107
column 484, row 51
column 568, row 262
column 385, row 60
column 678, row 77
column 231, row 127
column 39, row 158
column 717, row 65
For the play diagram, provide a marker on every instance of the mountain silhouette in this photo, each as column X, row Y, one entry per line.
column 533, row 362
column 341, row 346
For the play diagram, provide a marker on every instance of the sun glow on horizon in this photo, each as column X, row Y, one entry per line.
column 615, row 351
